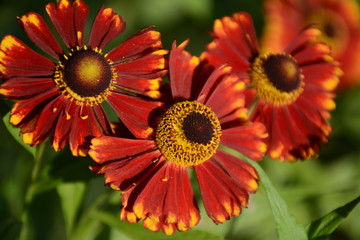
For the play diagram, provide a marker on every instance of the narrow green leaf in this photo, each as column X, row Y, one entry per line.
column 138, row 232
column 287, row 227
column 15, row 132
column 71, row 195
column 323, row 227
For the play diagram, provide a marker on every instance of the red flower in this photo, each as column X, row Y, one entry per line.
column 63, row 98
column 338, row 20
column 200, row 117
column 292, row 88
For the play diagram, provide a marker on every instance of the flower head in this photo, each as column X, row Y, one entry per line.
column 204, row 111
column 64, row 98
column 292, row 89
column 338, row 20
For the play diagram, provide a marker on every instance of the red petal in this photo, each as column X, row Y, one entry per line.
column 17, row 59
column 84, row 128
column 227, row 96
column 248, row 140
column 39, row 32
column 235, row 42
column 62, row 128
column 125, row 173
column 134, row 112
column 307, row 36
column 69, row 20
column 222, row 195
column 165, row 203
column 144, row 86
column 143, row 42
column 19, row 88
column 181, row 70
column 107, row 25
column 23, row 111
column 46, row 122
column 105, row 148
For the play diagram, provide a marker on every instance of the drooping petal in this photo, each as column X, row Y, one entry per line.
column 39, row 32
column 134, row 112
column 222, row 194
column 46, row 122
column 107, row 25
column 247, row 139
column 122, row 174
column 17, row 59
column 69, row 20
column 165, row 204
column 84, row 128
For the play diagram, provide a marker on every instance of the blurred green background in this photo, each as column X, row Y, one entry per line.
column 65, row 200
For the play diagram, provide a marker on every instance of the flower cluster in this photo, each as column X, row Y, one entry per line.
column 271, row 100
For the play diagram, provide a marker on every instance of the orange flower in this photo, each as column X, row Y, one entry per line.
column 292, row 88
column 338, row 20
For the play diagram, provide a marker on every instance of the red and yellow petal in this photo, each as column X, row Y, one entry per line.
column 69, row 20
column 18, row 88
column 108, row 148
column 164, row 203
column 134, row 112
column 17, row 59
column 122, row 174
column 248, row 139
column 144, row 40
column 140, row 85
column 223, row 195
column 181, row 70
column 39, row 32
column 84, row 128
column 107, row 25
column 235, row 42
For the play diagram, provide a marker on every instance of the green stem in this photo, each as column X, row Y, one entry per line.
column 38, row 163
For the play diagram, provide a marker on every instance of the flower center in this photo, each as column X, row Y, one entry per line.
column 277, row 78
column 188, row 133
column 85, row 76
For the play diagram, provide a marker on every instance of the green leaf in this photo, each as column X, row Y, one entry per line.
column 323, row 227
column 138, row 232
column 287, row 227
column 15, row 132
column 71, row 195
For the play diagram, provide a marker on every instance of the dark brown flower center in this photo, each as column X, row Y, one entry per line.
column 85, row 76
column 87, row 73
column 277, row 78
column 283, row 72
column 198, row 128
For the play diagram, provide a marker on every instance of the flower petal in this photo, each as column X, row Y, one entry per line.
column 134, row 112
column 164, row 203
column 39, row 32
column 107, row 25
column 17, row 59
column 104, row 149
column 181, row 70
column 223, row 196
column 247, row 139
column 19, row 88
column 69, row 20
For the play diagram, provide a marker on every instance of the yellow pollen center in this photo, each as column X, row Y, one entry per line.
column 277, row 78
column 89, row 71
column 188, row 133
